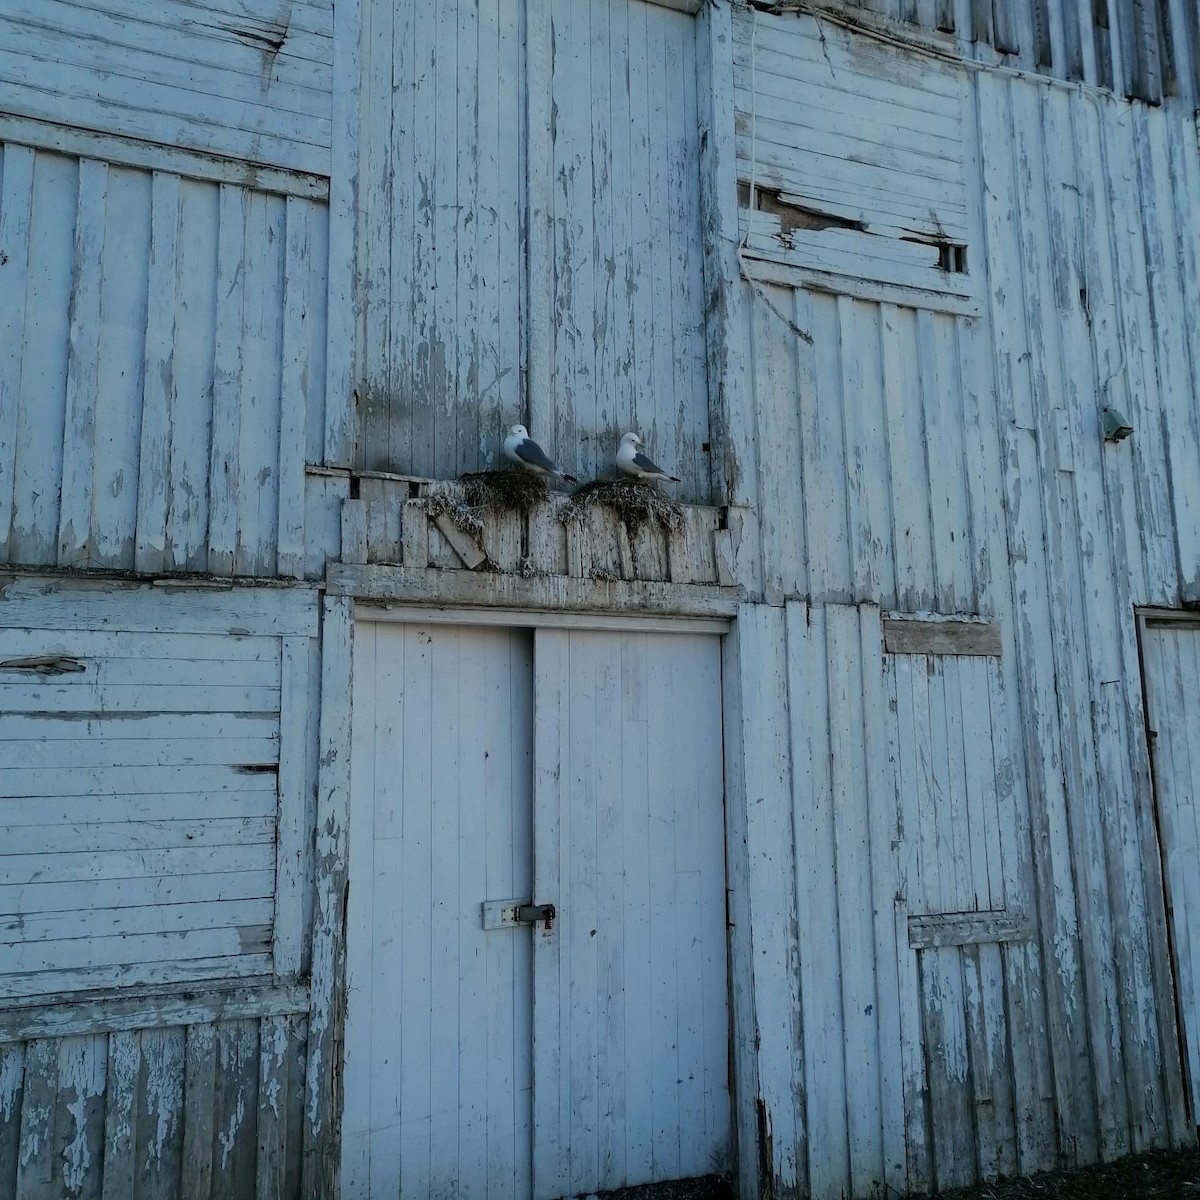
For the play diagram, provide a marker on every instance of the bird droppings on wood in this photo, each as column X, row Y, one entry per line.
column 635, row 503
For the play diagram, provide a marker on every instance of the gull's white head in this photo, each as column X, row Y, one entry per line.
column 519, row 431
column 631, row 439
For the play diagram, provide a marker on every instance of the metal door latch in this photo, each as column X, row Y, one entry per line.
column 504, row 914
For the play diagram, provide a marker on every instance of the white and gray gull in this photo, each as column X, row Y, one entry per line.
column 633, row 462
column 521, row 449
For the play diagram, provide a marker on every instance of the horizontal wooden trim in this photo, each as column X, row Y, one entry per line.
column 1169, row 618
column 158, row 1008
column 760, row 270
column 153, row 156
column 933, row 930
column 101, row 603
column 691, row 7
column 941, row 637
column 367, row 610
column 551, row 593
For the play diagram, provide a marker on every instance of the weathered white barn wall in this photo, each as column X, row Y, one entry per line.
column 621, row 195
column 1145, row 51
column 155, row 947
column 249, row 79
column 554, row 280
column 213, row 1108
column 897, row 466
column 163, row 372
column 440, row 235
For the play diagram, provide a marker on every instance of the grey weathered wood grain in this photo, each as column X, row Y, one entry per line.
column 940, row 637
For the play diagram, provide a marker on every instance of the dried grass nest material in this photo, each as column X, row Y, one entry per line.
column 473, row 496
column 634, row 502
column 503, row 491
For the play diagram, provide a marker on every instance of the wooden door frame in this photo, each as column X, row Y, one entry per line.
column 359, row 598
column 1183, row 620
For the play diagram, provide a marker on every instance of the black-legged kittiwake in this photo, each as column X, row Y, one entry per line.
column 521, row 449
column 633, row 462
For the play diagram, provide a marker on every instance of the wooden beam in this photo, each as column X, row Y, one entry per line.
column 158, row 1008
column 933, row 930
column 941, row 637
column 556, row 593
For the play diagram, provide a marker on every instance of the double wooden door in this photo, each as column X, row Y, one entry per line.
column 495, row 767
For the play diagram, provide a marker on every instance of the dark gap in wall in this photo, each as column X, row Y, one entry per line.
column 792, row 215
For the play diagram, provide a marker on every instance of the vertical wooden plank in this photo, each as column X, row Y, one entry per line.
column 903, row 734
column 12, row 1092
column 236, row 1109
column 227, row 371
column 323, row 1090
column 539, row 174
column 385, row 97
column 885, row 834
column 986, row 1139
column 124, row 301
column 41, row 407
column 907, row 466
column 414, row 533
column 852, row 871
column 158, row 1148
column 199, row 1098
column 365, row 974
column 462, row 435
column 433, row 877
column 780, row 485
column 952, row 1122
column 340, row 362
column 259, row 402
column 79, row 1132
column 743, row 1043
column 292, row 832
column 274, row 1060
column 35, row 1159
column 198, row 309
column 292, row 386
column 75, row 512
column 121, row 1115
column 16, row 200
column 823, row 1065
column 158, row 377
column 551, row 1019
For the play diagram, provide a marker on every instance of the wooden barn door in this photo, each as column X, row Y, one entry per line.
column 630, row 1041
column 1171, row 662
column 438, row 1033
column 497, row 769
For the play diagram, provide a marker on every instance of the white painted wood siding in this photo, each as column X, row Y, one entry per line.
column 1151, row 52
column 851, row 155
column 244, row 79
column 439, row 1026
column 619, row 195
column 876, row 454
column 440, row 234
column 1172, row 665
column 630, row 1030
column 168, row 1112
column 954, row 463
column 907, row 1067
column 1094, row 293
column 151, row 831
column 163, row 377
column 519, row 267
